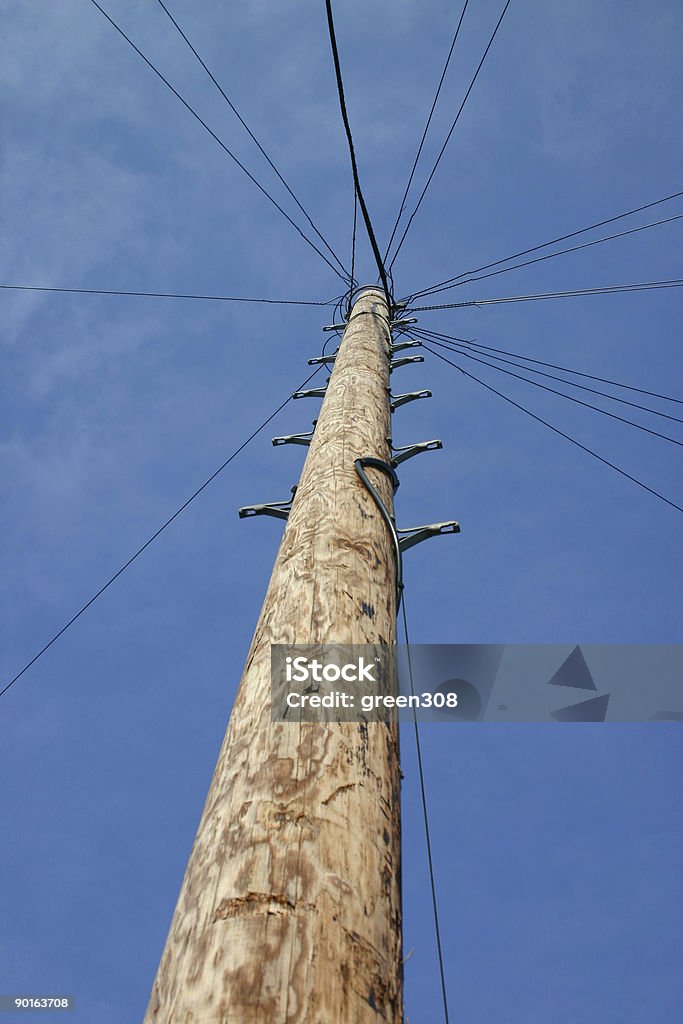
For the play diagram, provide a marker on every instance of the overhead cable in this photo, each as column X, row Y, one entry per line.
column 549, row 256
column 544, row 245
column 544, row 387
column 426, row 129
column 488, row 352
column 450, row 132
column 218, row 140
column 165, row 295
column 425, row 819
column 607, row 290
column 252, row 136
column 353, row 250
column 352, row 152
column 154, row 536
column 554, row 366
column 556, row 430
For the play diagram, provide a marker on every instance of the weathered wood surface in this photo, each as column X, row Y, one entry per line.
column 290, row 908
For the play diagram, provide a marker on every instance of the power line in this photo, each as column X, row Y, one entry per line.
column 426, row 129
column 443, row 148
column 464, row 346
column 552, row 255
column 544, row 245
column 165, row 295
column 252, row 136
column 353, row 247
column 353, row 237
column 554, row 366
column 425, row 818
column 352, row 152
column 154, row 536
column 217, row 139
column 554, row 391
column 606, row 462
column 607, row 290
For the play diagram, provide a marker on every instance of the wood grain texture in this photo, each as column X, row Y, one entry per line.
column 290, row 909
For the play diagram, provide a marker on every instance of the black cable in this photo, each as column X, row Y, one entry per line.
column 544, row 245
column 360, row 466
column 154, row 536
column 554, row 391
column 556, row 430
column 218, row 140
column 607, row 290
column 450, row 132
column 253, row 137
column 425, row 816
column 164, row 295
column 554, row 366
column 464, row 346
column 353, row 237
column 424, row 134
column 352, row 152
column 353, row 248
column 549, row 256
column 328, row 339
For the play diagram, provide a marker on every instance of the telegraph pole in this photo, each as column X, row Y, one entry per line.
column 290, row 909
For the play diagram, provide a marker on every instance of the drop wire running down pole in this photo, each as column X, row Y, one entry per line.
column 290, row 909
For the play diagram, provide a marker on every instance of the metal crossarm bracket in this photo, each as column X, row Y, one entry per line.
column 293, row 439
column 311, row 393
column 405, row 322
column 401, row 345
column 415, row 534
column 335, row 327
column 398, row 400
column 407, row 451
column 322, row 358
column 404, row 361
column 277, row 509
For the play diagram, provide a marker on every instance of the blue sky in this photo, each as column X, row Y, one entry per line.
column 554, row 846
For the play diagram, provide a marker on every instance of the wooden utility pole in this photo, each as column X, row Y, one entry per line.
column 290, row 910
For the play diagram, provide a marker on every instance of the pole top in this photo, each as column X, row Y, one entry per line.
column 357, row 292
